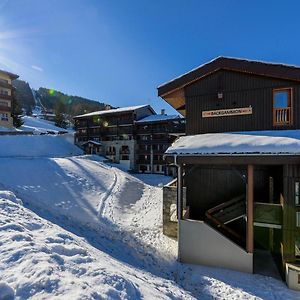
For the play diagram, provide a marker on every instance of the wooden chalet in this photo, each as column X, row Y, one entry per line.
column 239, row 165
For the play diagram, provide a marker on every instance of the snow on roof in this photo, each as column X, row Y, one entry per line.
column 239, row 143
column 112, row 111
column 157, row 118
column 92, row 142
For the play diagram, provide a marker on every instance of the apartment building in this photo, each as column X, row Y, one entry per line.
column 135, row 137
column 154, row 135
column 114, row 129
column 6, row 97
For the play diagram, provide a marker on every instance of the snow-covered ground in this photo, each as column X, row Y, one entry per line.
column 89, row 230
column 38, row 125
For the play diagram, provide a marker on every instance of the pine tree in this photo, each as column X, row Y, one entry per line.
column 16, row 113
column 60, row 120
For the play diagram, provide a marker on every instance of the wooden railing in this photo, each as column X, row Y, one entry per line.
column 227, row 212
column 282, row 116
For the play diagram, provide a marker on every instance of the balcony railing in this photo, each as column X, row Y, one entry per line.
column 5, row 84
column 6, row 97
column 282, row 116
column 5, row 108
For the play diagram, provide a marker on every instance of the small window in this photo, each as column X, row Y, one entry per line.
column 282, row 107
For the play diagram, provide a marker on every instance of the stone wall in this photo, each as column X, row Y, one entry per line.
column 170, row 222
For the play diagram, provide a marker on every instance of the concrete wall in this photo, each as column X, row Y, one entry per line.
column 200, row 244
column 292, row 274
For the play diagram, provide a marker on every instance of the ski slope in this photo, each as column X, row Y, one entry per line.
column 38, row 126
column 88, row 230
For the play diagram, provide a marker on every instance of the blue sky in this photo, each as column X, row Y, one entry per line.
column 118, row 52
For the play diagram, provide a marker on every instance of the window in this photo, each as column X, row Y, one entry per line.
column 282, row 107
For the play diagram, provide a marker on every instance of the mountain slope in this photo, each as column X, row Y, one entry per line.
column 74, row 105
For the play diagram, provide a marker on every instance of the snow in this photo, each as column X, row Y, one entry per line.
column 6, row 129
column 6, row 292
column 264, row 142
column 157, row 118
column 40, row 260
column 38, row 125
column 89, row 230
column 113, row 111
column 38, row 146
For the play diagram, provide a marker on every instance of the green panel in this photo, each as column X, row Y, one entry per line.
column 268, row 213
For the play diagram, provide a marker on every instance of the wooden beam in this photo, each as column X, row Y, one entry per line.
column 179, row 193
column 250, row 186
column 235, row 159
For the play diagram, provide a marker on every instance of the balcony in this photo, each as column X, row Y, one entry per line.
column 5, row 108
column 6, row 97
column 143, row 161
column 282, row 116
column 5, row 84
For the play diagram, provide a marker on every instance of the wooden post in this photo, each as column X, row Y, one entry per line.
column 250, row 209
column 179, row 193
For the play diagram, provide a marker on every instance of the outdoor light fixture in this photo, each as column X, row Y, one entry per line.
column 220, row 95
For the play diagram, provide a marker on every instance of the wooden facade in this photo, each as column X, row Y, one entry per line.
column 238, row 90
column 235, row 95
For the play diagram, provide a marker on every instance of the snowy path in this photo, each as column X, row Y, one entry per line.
column 119, row 216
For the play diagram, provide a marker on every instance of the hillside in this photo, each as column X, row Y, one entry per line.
column 74, row 105
column 23, row 94
column 49, row 98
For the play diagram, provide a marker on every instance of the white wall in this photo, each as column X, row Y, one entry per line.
column 201, row 244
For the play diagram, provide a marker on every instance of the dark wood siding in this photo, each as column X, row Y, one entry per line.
column 239, row 90
column 218, row 184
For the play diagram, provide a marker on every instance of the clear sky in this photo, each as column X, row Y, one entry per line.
column 119, row 51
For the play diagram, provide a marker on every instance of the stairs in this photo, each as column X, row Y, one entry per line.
column 227, row 212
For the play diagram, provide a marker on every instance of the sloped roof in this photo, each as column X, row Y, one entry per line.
column 115, row 111
column 277, row 70
column 158, row 118
column 11, row 75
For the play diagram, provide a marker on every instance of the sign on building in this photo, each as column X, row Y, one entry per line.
column 227, row 112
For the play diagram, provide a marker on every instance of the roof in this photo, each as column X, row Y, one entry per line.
column 116, row 111
column 92, row 142
column 158, row 118
column 11, row 75
column 277, row 70
column 274, row 142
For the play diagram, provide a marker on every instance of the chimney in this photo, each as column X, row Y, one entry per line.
column 162, row 112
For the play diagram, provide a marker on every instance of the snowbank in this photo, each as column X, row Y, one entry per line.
column 40, row 260
column 38, row 146
column 263, row 142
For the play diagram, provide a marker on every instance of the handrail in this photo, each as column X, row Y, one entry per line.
column 282, row 116
column 209, row 214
